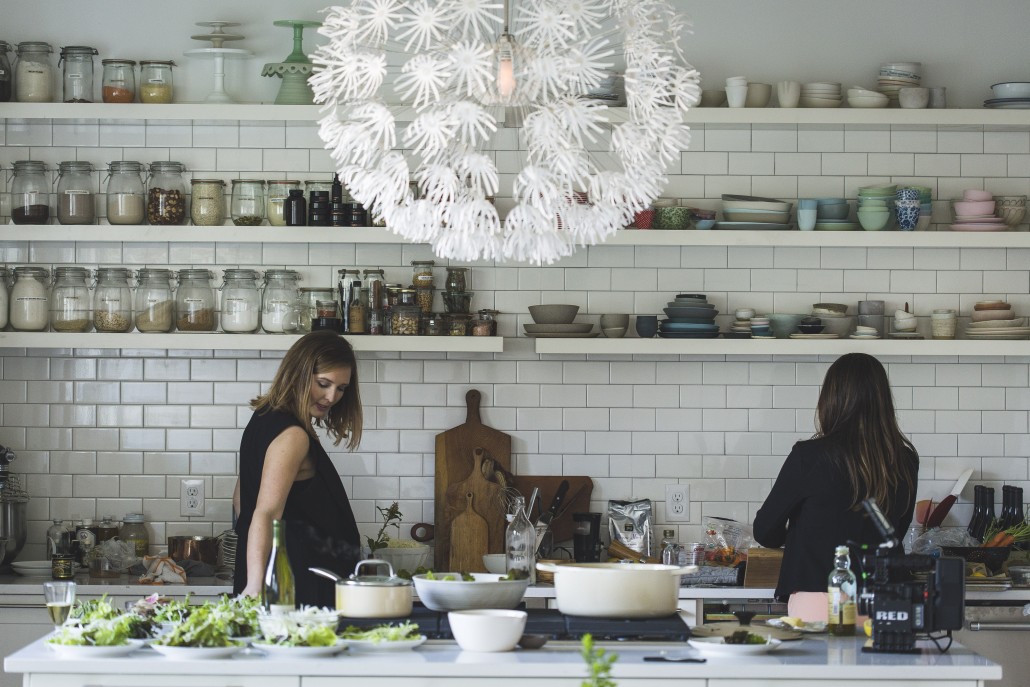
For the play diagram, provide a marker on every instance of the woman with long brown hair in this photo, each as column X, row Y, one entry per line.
column 285, row 474
column 858, row 451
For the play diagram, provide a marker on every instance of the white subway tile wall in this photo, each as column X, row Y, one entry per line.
column 101, row 432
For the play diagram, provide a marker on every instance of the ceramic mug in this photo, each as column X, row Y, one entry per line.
column 942, row 324
column 646, row 326
column 807, row 218
column 788, row 93
column 736, row 96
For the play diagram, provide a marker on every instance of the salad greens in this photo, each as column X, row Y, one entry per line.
column 308, row 626
column 449, row 577
column 242, row 613
column 206, row 626
column 99, row 632
column 383, row 633
column 91, row 615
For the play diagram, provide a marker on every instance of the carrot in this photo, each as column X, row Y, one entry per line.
column 1007, row 540
column 996, row 539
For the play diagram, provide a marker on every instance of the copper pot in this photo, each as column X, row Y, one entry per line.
column 194, row 548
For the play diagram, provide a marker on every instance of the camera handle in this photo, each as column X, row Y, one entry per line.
column 883, row 525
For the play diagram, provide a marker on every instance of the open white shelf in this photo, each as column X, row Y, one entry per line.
column 189, row 233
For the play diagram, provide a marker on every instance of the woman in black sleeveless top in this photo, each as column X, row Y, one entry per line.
column 285, row 474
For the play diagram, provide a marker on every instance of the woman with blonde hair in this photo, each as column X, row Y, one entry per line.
column 285, row 474
column 858, row 451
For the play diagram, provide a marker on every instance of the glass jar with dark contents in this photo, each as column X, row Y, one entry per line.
column 166, row 193
column 5, row 73
column 62, row 566
column 30, row 193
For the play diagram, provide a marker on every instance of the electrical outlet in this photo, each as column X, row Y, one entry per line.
column 677, row 502
column 191, row 497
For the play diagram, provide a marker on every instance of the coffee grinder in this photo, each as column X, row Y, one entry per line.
column 586, row 537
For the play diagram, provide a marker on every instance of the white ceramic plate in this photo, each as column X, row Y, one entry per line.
column 299, row 651
column 195, row 652
column 32, row 568
column 715, row 646
column 365, row 645
column 560, row 335
column 814, row 336
column 84, row 651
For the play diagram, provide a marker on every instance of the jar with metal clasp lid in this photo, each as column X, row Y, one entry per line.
column 118, row 84
column 75, row 195
column 4, row 298
column 77, row 74
column 195, row 301
column 154, row 303
column 30, row 193
column 70, row 301
column 166, row 193
column 278, row 299
column 241, row 302
column 155, row 81
column 134, row 531
column 207, row 207
column 30, row 309
column 247, row 206
column 485, row 323
column 112, row 300
column 6, row 80
column 33, row 74
column 126, row 195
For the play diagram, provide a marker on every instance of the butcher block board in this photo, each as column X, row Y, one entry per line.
column 577, row 500
column 454, row 464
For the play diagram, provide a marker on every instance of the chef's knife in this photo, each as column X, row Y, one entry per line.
column 547, row 516
column 937, row 516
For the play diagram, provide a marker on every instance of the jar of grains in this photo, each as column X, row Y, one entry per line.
column 69, row 300
column 247, row 206
column 33, row 75
column 30, row 193
column 5, row 73
column 155, row 81
column 405, row 320
column 457, row 279
column 195, row 301
column 433, row 324
column 28, row 299
column 77, row 74
column 112, row 300
column 458, row 324
column 5, row 306
column 241, row 301
column 166, row 193
column 154, row 305
column 485, row 323
column 424, row 298
column 126, row 197
column 278, row 192
column 422, row 273
column 75, row 195
column 118, row 85
column 208, row 202
column 279, row 297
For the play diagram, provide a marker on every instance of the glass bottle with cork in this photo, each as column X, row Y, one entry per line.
column 841, row 590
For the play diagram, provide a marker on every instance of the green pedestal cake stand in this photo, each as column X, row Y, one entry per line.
column 295, row 69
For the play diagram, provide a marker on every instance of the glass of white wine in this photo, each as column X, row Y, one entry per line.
column 59, row 599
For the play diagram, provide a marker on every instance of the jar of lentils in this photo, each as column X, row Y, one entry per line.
column 112, row 300
column 195, row 301
column 166, row 194
column 208, row 202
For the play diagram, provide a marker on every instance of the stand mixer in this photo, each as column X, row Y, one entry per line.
column 13, row 501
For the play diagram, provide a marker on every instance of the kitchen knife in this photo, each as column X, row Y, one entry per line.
column 547, row 516
column 938, row 514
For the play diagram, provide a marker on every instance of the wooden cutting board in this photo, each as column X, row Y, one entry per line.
column 454, row 463
column 576, row 501
column 489, row 505
column 468, row 538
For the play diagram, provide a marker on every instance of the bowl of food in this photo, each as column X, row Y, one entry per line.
column 455, row 591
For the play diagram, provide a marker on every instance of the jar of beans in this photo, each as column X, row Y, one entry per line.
column 405, row 320
column 166, row 193
column 112, row 300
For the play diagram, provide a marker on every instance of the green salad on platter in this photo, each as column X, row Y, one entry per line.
column 383, row 633
column 309, row 626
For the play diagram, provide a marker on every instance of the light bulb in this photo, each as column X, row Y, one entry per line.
column 505, row 68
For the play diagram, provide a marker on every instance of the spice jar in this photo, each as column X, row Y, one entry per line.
column 69, row 300
column 75, row 196
column 77, row 73
column 155, row 81
column 278, row 192
column 29, row 304
column 422, row 273
column 208, row 202
column 5, row 303
column 405, row 320
column 112, row 300
column 166, row 194
column 279, row 297
column 248, row 202
column 134, row 531
column 241, row 301
column 457, row 280
column 154, row 305
column 325, row 308
column 356, row 309
column 485, row 323
column 195, row 301
column 433, row 324
column 457, row 324
column 424, row 298
column 125, row 193
column 5, row 73
column 118, row 85
column 33, row 75
column 375, row 283
column 309, row 297
column 30, row 193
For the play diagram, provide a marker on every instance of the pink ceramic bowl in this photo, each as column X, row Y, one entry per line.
column 974, row 208
column 974, row 195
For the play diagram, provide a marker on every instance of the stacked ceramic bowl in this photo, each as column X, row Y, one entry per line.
column 897, row 75
column 834, row 318
column 741, row 327
column 876, row 206
column 556, row 321
column 831, row 214
column 821, row 94
column 1012, row 209
column 754, row 213
column 996, row 320
column 690, row 316
column 863, row 98
column 1010, row 95
column 976, row 212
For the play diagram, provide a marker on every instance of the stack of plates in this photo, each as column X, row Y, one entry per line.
column 754, row 214
column 557, row 331
column 897, row 75
column 835, row 225
column 821, row 94
column 690, row 316
column 996, row 320
column 32, row 568
column 1008, row 103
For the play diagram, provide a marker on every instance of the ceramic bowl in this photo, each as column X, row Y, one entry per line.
column 914, row 98
column 613, row 321
column 874, row 220
column 758, row 94
column 487, row 630
column 744, row 313
column 1011, row 89
column 614, row 332
column 834, row 210
column 839, row 308
column 495, row 563
column 839, row 325
column 487, row 591
column 713, row 98
column 811, row 328
column 784, row 324
column 974, row 207
column 974, row 194
column 553, row 313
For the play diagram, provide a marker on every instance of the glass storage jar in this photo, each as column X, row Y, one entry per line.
column 280, row 296
column 154, row 304
column 457, row 324
column 404, row 320
column 485, row 323
column 30, row 310
column 247, row 206
column 195, row 301
column 424, row 298
column 166, row 193
column 207, row 207
column 345, row 280
column 309, row 297
column 375, row 283
column 30, row 193
column 457, row 279
column 422, row 273
column 112, row 300
column 5, row 303
column 278, row 192
column 75, row 196
column 155, row 81
column 6, row 79
column 134, row 531
column 77, row 74
column 241, row 301
column 33, row 75
column 126, row 196
column 69, row 300
column 433, row 324
column 118, row 84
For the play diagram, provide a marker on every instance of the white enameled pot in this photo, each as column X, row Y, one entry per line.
column 371, row 596
column 617, row 590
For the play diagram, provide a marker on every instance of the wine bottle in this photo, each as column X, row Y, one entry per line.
column 278, row 594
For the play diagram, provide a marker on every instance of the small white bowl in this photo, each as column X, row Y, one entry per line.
column 487, row 630
column 495, row 563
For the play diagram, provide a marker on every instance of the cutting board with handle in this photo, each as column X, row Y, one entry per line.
column 577, row 499
column 454, row 463
column 489, row 501
column 469, row 538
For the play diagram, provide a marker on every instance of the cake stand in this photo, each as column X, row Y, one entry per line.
column 295, row 69
column 219, row 54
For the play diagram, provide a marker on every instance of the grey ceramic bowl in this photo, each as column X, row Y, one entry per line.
column 784, row 324
column 553, row 313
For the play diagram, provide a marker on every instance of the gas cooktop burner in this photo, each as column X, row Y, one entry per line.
column 552, row 624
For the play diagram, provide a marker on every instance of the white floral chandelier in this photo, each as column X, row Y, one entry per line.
column 464, row 62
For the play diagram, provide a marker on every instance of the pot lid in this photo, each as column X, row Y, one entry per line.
column 374, row 580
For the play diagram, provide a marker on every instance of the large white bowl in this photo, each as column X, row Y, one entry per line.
column 1011, row 89
column 487, row 591
column 487, row 629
